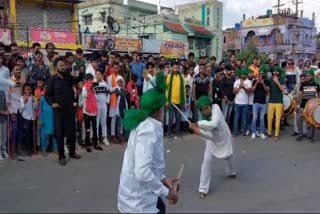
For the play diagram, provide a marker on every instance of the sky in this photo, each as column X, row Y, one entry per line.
column 233, row 9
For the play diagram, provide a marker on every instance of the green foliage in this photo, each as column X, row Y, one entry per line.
column 250, row 52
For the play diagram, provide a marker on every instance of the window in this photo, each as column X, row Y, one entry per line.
column 87, row 20
column 218, row 11
column 208, row 20
column 218, row 22
column 224, row 40
column 208, row 11
column 103, row 17
column 217, row 48
column 190, row 41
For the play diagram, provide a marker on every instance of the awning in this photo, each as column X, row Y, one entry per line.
column 174, row 27
column 199, row 31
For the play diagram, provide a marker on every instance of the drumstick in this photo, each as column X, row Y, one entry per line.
column 8, row 136
column 181, row 113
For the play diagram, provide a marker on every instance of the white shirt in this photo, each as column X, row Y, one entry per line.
column 28, row 108
column 90, row 70
column 196, row 70
column 298, row 72
column 242, row 98
column 216, row 134
column 102, row 94
column 143, row 169
column 147, row 85
column 14, row 95
column 189, row 80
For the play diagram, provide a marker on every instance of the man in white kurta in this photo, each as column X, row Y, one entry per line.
column 215, row 132
column 142, row 180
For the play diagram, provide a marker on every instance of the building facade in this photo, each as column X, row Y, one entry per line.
column 42, row 21
column 208, row 14
column 284, row 35
column 231, row 41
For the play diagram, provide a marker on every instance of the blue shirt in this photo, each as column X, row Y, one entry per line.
column 137, row 69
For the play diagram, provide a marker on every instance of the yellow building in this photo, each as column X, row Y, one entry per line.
column 45, row 21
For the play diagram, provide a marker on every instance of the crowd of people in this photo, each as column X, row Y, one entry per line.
column 59, row 103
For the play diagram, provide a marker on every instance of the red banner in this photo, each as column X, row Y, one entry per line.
column 58, row 37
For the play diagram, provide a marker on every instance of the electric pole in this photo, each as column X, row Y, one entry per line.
column 295, row 23
column 276, row 24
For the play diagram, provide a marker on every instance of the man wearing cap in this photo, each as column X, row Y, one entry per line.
column 214, row 130
column 241, row 89
column 308, row 90
column 143, row 183
column 275, row 107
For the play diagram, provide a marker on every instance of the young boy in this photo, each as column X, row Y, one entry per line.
column 121, row 106
column 38, row 92
column 214, row 130
column 132, row 91
column 149, row 78
column 90, row 111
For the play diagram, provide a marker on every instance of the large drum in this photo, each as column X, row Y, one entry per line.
column 312, row 112
column 288, row 105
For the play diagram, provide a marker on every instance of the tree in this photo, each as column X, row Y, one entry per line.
column 250, row 52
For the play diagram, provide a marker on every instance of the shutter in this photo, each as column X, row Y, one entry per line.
column 28, row 15
column 59, row 19
column 32, row 16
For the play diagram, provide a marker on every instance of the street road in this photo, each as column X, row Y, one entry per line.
column 280, row 176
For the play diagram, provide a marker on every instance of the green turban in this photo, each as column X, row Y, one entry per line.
column 244, row 71
column 204, row 101
column 151, row 101
column 310, row 72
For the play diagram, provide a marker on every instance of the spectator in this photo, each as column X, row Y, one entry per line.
column 69, row 59
column 132, row 90
column 60, row 96
column 276, row 101
column 197, row 68
column 137, row 68
column 47, row 125
column 213, row 61
column 227, row 93
column 92, row 67
column 14, row 54
column 28, row 106
column 79, row 60
column 104, row 61
column 295, row 95
column 201, row 86
column 308, row 90
column 24, row 70
column 260, row 89
column 52, row 56
column 191, row 58
column 110, row 67
column 299, row 69
column 38, row 70
column 233, row 62
column 38, row 93
column 254, row 67
column 16, row 125
column 176, row 95
column 122, row 105
column 189, row 78
column 35, row 48
column 90, row 111
column 150, row 78
column 112, row 84
column 50, row 48
column 241, row 89
column 126, row 69
column 162, row 60
column 250, row 102
column 188, row 110
column 216, row 88
column 103, row 99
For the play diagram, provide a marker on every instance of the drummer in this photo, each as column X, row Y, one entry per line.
column 215, row 131
column 308, row 90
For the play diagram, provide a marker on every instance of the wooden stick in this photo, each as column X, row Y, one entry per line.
column 181, row 113
column 178, row 177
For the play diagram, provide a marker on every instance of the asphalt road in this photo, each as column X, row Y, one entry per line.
column 280, row 176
